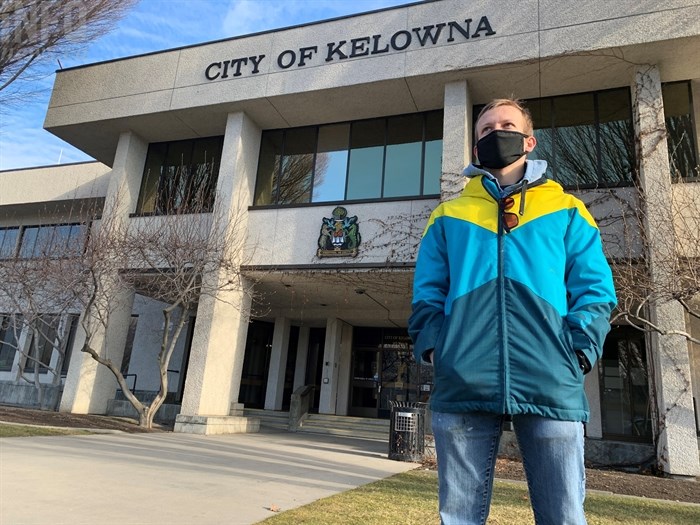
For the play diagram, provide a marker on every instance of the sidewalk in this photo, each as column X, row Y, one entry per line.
column 178, row 479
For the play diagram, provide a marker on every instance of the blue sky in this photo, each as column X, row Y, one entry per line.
column 155, row 25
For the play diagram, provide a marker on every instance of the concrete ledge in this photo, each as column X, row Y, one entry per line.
column 210, row 425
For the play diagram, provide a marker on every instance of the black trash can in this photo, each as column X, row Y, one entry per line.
column 407, row 431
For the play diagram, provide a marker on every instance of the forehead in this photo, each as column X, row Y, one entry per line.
column 501, row 115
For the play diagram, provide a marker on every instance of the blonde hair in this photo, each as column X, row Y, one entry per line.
column 515, row 103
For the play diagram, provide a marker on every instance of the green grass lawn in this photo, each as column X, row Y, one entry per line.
column 411, row 498
column 9, row 430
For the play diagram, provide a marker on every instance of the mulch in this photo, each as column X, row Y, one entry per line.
column 614, row 481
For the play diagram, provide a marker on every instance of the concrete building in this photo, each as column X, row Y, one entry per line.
column 331, row 142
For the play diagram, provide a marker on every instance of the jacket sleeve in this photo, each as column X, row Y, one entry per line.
column 431, row 285
column 589, row 285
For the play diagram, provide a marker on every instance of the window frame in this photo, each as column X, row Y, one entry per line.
column 385, row 119
column 181, row 209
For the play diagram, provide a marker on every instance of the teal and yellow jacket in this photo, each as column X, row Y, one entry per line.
column 505, row 310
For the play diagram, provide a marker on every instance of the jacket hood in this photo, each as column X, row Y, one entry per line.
column 534, row 170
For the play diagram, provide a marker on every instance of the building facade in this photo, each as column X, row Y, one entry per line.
column 330, row 143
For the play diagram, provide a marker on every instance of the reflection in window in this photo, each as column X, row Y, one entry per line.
column 587, row 139
column 8, row 242
column 58, row 240
column 331, row 163
column 366, row 159
column 369, row 159
column 678, row 110
column 404, row 146
column 297, row 166
column 180, row 176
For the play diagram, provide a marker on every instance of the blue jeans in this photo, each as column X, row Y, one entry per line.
column 552, row 451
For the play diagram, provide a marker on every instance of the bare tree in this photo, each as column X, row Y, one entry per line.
column 42, row 308
column 35, row 32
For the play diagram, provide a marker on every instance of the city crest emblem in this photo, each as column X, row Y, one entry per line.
column 340, row 235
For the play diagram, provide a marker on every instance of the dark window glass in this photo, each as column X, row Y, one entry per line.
column 616, row 137
column 587, row 139
column 180, row 176
column 269, row 167
column 297, row 166
column 155, row 160
column 576, row 162
column 390, row 157
column 678, row 110
column 366, row 159
column 432, row 164
column 404, row 149
column 8, row 242
column 331, row 163
column 9, row 333
column 624, row 383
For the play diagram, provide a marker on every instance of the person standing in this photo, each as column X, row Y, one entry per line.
column 511, row 304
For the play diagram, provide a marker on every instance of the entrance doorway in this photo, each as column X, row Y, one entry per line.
column 256, row 364
column 314, row 363
column 384, row 370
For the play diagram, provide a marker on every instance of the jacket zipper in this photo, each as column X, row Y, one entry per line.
column 502, row 308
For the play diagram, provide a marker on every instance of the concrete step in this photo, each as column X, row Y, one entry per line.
column 367, row 428
column 276, row 419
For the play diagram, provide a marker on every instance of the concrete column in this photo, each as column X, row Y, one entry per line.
column 331, row 362
column 302, row 356
column 677, row 446
column 456, row 139
column 89, row 386
column 218, row 344
column 344, row 371
column 278, row 364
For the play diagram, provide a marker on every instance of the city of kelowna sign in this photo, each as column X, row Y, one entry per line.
column 444, row 32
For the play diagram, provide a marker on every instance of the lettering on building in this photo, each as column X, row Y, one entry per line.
column 362, row 46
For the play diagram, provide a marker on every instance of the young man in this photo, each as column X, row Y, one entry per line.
column 511, row 304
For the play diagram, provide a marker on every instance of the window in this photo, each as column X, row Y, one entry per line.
column 58, row 240
column 180, row 176
column 383, row 158
column 678, row 109
column 587, row 139
column 8, row 242
column 42, row 340
column 624, row 384
column 10, row 328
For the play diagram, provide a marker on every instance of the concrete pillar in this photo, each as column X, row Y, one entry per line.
column 677, row 445
column 278, row 364
column 302, row 356
column 456, row 139
column 89, row 386
column 344, row 372
column 331, row 362
column 218, row 343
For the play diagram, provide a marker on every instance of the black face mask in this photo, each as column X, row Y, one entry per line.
column 500, row 148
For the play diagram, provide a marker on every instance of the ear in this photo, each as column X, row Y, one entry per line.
column 475, row 155
column 530, row 143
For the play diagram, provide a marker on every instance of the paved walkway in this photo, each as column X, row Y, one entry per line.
column 178, row 479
